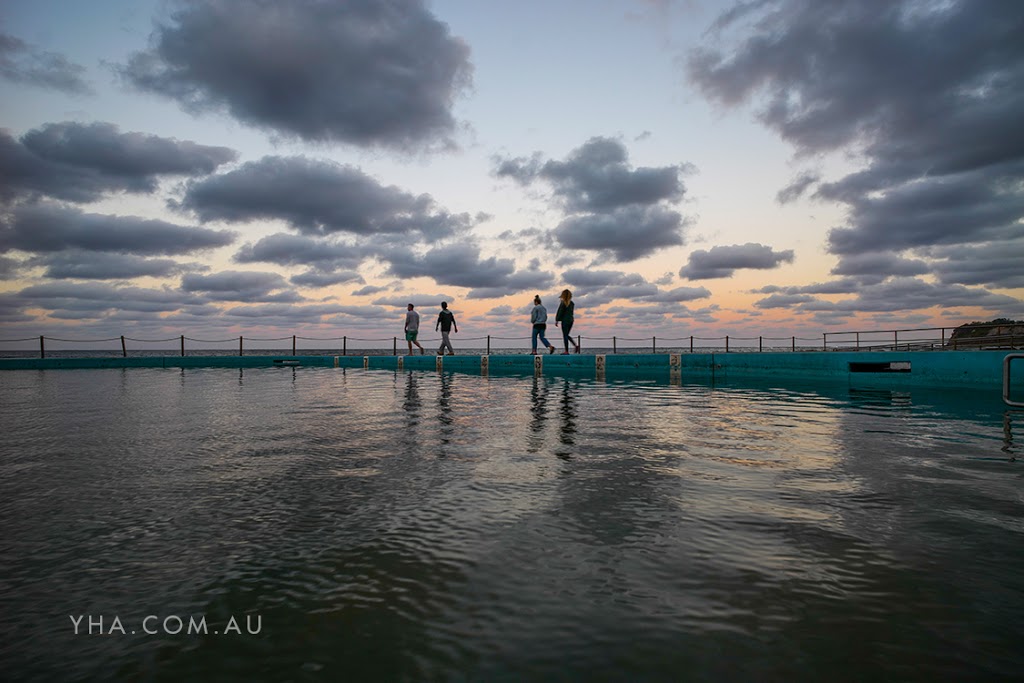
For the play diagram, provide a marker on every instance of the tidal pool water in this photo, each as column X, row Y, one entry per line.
column 381, row 526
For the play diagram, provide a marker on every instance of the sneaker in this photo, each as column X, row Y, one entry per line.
column 422, row 351
column 565, row 353
column 551, row 349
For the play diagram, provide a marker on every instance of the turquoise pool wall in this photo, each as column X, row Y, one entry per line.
column 921, row 368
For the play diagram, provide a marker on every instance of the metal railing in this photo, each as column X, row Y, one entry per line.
column 912, row 339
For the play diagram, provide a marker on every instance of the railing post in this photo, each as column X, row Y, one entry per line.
column 344, row 345
column 824, row 341
column 615, row 346
column 488, row 345
column 654, row 344
column 182, row 346
column 943, row 336
column 395, row 341
column 124, row 349
column 760, row 344
column 727, row 343
column 858, row 340
column 691, row 343
column 578, row 340
column 42, row 347
column 794, row 344
column 895, row 340
column 239, row 345
column 293, row 344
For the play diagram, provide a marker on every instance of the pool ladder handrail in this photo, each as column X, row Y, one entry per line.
column 1006, row 380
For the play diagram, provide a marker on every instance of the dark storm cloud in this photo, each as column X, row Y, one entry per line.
column 44, row 228
column 22, row 63
column 319, row 278
column 719, row 262
column 85, row 265
column 931, row 95
column 366, row 72
column 318, row 198
column 626, row 234
column 460, row 265
column 611, row 207
column 80, row 163
column 289, row 250
column 233, row 285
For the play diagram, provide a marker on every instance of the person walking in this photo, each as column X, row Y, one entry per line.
column 412, row 328
column 566, row 306
column 539, row 318
column 446, row 321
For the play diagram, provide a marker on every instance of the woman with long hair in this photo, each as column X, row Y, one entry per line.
column 564, row 315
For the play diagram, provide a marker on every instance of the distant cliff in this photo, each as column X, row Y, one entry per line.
column 998, row 332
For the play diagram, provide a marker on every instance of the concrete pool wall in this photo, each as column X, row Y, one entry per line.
column 983, row 368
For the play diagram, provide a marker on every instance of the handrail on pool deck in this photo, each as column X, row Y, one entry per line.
column 1006, row 380
column 910, row 339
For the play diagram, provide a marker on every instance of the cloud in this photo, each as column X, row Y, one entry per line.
column 370, row 73
column 84, row 265
column 597, row 177
column 94, row 299
column 930, row 95
column 24, row 64
column 879, row 264
column 234, row 285
column 625, row 234
column 318, row 198
column 9, row 268
column 46, row 228
column 622, row 212
column 284, row 249
column 316, row 278
column 719, row 262
column 797, row 187
column 898, row 295
column 460, row 265
column 369, row 290
column 417, row 300
column 597, row 287
column 80, row 163
column 997, row 264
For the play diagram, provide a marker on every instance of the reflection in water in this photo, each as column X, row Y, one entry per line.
column 738, row 531
column 539, row 412
column 567, row 414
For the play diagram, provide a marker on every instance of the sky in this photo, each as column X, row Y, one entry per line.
column 217, row 168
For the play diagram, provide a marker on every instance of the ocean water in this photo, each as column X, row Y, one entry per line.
column 381, row 526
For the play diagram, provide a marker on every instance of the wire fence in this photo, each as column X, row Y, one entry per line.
column 994, row 336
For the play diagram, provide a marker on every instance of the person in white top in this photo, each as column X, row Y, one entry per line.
column 539, row 318
column 412, row 328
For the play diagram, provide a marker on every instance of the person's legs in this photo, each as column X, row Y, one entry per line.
column 446, row 343
column 533, row 345
column 544, row 339
column 566, row 328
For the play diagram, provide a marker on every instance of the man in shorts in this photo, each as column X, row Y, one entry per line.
column 412, row 328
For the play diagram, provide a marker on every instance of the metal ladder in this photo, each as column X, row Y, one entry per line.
column 1006, row 380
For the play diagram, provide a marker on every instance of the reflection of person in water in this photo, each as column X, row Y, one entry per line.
column 444, row 401
column 567, row 425
column 539, row 410
column 412, row 401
